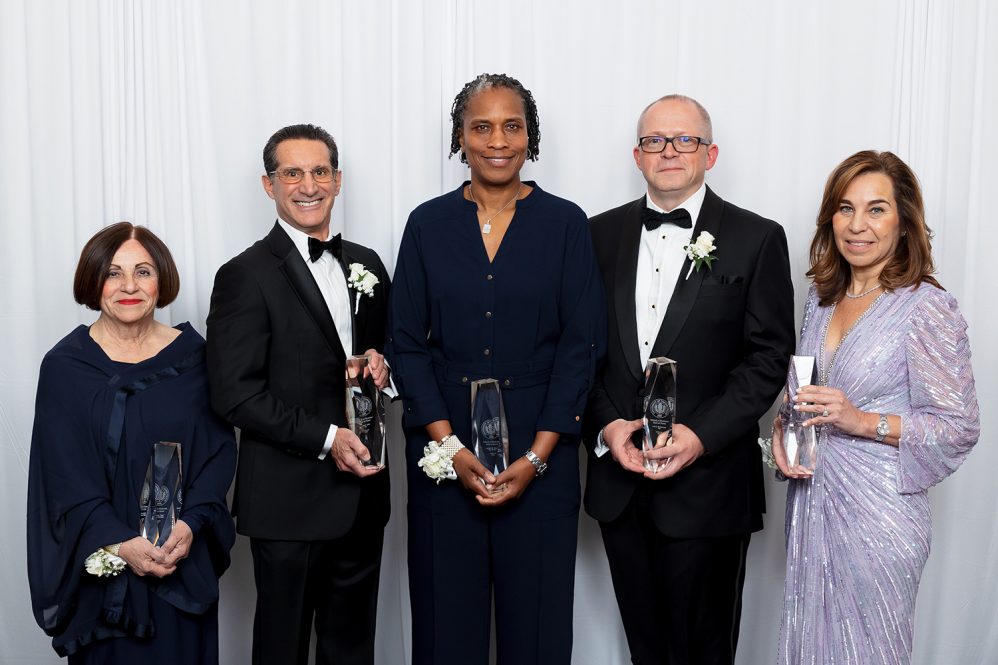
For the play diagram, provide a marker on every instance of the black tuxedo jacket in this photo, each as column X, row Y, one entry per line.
column 276, row 367
column 731, row 331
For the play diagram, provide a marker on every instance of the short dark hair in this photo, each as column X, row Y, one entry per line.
column 98, row 253
column 910, row 265
column 485, row 82
column 307, row 132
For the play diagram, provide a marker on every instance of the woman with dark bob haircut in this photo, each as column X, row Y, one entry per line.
column 895, row 410
column 111, row 583
column 495, row 280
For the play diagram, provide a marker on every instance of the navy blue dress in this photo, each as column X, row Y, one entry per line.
column 95, row 423
column 534, row 319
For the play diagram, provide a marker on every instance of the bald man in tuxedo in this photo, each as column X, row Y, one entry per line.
column 676, row 538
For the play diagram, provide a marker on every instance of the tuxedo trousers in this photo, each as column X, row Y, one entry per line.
column 331, row 583
column 680, row 599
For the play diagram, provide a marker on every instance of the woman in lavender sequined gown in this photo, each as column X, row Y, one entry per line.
column 897, row 413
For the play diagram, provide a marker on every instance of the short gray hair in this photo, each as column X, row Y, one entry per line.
column 688, row 100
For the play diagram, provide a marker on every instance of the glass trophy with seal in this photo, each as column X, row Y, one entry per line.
column 659, row 404
column 365, row 409
column 801, row 443
column 489, row 433
column 161, row 498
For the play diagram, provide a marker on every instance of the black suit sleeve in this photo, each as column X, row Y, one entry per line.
column 600, row 410
column 768, row 340
column 238, row 344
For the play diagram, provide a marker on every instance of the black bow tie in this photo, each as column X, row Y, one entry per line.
column 316, row 247
column 652, row 219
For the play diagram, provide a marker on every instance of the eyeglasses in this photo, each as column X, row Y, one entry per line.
column 679, row 143
column 292, row 175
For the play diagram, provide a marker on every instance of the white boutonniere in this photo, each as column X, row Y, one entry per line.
column 699, row 252
column 362, row 281
column 104, row 564
column 437, row 463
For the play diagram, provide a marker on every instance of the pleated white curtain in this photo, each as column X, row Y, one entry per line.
column 156, row 112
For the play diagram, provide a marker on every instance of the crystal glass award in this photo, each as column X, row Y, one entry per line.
column 161, row 498
column 659, row 405
column 489, row 434
column 365, row 410
column 801, row 443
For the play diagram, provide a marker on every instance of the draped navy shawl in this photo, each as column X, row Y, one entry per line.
column 95, row 423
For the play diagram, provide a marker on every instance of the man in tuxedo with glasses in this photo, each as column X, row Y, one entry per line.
column 676, row 538
column 284, row 318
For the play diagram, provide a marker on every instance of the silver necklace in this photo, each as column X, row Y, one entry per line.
column 826, row 368
column 487, row 226
column 861, row 295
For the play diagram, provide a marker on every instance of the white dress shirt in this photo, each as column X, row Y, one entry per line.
column 660, row 260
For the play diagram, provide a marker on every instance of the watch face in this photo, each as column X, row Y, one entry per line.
column 883, row 429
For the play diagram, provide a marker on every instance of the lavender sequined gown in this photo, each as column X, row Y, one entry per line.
column 858, row 532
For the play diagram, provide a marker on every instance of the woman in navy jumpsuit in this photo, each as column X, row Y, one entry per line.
column 496, row 279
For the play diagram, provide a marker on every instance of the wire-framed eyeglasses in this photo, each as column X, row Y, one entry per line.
column 293, row 175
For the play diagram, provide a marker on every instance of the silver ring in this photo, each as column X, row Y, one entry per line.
column 824, row 413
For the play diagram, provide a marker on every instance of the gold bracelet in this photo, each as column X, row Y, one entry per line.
column 112, row 549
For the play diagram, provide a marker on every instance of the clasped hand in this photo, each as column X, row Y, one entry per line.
column 144, row 558
column 488, row 488
column 673, row 454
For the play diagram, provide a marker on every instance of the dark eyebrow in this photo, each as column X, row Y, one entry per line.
column 879, row 201
column 515, row 118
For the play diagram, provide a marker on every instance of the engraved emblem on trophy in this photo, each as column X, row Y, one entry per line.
column 659, row 405
column 489, row 433
column 365, row 409
column 801, row 443
column 161, row 498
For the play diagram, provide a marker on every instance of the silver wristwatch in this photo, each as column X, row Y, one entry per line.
column 540, row 466
column 883, row 428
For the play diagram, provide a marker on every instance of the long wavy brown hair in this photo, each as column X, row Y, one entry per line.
column 911, row 263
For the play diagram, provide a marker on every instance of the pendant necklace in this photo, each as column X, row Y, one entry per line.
column 861, row 295
column 487, row 226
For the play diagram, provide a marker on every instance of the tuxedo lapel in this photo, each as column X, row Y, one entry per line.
column 358, row 315
column 627, row 268
column 686, row 290
column 304, row 286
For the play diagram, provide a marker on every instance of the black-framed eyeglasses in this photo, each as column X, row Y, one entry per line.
column 292, row 175
column 655, row 144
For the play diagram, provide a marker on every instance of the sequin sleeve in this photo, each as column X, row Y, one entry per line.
column 944, row 421
column 810, row 304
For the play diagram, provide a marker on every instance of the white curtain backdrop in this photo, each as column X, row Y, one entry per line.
column 157, row 112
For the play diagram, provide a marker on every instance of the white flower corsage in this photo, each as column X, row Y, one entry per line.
column 104, row 564
column 436, row 463
column 767, row 452
column 699, row 252
column 362, row 281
